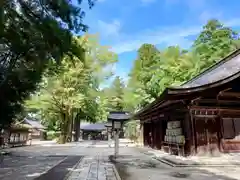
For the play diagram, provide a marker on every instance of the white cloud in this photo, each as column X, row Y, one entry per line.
column 206, row 15
column 101, row 1
column 191, row 4
column 109, row 29
column 233, row 22
column 147, row 1
column 119, row 71
column 167, row 36
column 171, row 2
column 196, row 4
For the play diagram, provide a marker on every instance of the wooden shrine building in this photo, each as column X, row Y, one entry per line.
column 95, row 131
column 201, row 116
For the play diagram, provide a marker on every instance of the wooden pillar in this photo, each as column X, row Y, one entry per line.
column 187, row 132
column 152, row 134
column 141, row 134
column 193, row 133
column 159, row 137
column 144, row 134
column 155, row 135
column 148, row 131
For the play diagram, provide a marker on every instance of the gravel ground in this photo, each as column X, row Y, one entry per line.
column 28, row 163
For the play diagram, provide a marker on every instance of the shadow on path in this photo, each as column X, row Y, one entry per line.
column 60, row 171
column 121, row 168
column 133, row 167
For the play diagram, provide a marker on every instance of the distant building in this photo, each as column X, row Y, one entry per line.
column 20, row 132
column 96, row 131
column 36, row 128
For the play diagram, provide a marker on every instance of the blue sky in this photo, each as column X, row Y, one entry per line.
column 126, row 24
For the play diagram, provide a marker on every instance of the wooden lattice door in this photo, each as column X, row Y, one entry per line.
column 207, row 136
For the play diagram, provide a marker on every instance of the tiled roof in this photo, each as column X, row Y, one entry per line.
column 224, row 69
column 119, row 116
column 95, row 126
column 34, row 123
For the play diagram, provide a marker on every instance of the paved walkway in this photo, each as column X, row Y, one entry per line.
column 27, row 167
column 94, row 168
column 89, row 167
column 88, row 143
column 72, row 163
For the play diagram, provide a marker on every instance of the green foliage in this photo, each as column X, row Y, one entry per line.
column 132, row 130
column 215, row 42
column 74, row 88
column 33, row 34
column 114, row 95
column 51, row 135
column 155, row 70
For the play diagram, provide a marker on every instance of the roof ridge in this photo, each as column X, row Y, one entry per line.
column 214, row 66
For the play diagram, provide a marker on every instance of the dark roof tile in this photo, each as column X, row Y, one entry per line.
column 34, row 124
column 224, row 69
column 96, row 126
column 119, row 116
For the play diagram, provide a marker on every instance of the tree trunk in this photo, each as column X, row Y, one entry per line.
column 64, row 128
column 70, row 126
column 77, row 128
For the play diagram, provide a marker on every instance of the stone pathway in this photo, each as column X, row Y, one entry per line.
column 26, row 168
column 94, row 168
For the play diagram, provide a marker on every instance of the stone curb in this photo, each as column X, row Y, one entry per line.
column 173, row 164
column 194, row 165
column 116, row 172
column 113, row 161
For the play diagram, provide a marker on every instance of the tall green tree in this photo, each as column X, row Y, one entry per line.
column 115, row 95
column 215, row 42
column 32, row 34
column 155, row 70
column 74, row 88
column 140, row 75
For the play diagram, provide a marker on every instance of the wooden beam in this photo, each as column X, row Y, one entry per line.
column 157, row 107
column 213, row 108
column 164, row 110
column 157, row 116
column 230, row 94
column 205, row 116
column 215, row 101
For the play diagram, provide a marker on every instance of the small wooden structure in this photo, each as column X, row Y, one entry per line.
column 118, row 116
column 201, row 116
column 16, row 135
column 19, row 133
column 38, row 131
column 96, row 131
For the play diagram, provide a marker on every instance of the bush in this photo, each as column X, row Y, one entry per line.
column 51, row 135
column 131, row 131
